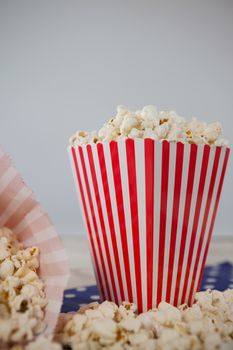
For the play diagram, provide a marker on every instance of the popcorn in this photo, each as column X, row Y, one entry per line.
column 162, row 130
column 41, row 342
column 205, row 299
column 135, row 133
column 171, row 313
column 175, row 133
column 23, row 328
column 105, row 330
column 195, row 327
column 150, row 134
column 207, row 325
column 129, row 122
column 221, row 142
column 131, row 325
column 108, row 309
column 212, row 340
column 6, row 268
column 212, row 132
column 82, row 137
column 204, row 326
column 154, row 124
column 22, row 296
column 150, row 118
column 108, row 132
column 138, row 339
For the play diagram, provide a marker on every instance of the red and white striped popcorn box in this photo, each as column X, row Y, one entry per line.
column 149, row 208
column 21, row 212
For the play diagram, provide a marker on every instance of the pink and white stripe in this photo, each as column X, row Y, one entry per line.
column 20, row 211
column 149, row 208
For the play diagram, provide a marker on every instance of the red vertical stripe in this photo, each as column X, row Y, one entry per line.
column 101, row 218
column 110, row 215
column 94, row 220
column 149, row 185
column 205, row 219
column 201, row 187
column 163, row 216
column 87, row 222
column 188, row 200
column 131, row 164
column 175, row 214
column 121, row 213
column 214, row 214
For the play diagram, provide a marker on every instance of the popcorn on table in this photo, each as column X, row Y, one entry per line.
column 154, row 124
column 207, row 325
column 40, row 343
column 22, row 296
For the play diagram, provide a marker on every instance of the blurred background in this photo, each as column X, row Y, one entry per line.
column 66, row 65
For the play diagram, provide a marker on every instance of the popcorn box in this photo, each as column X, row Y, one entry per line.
column 149, row 208
column 21, row 212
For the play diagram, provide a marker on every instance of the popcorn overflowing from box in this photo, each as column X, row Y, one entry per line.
column 149, row 185
column 154, row 124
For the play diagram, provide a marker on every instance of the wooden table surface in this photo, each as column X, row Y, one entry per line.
column 81, row 267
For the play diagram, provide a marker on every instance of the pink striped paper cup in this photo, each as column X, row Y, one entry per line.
column 149, row 208
column 21, row 212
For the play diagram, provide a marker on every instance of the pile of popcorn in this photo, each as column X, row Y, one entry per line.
column 22, row 296
column 207, row 325
column 154, row 124
column 42, row 342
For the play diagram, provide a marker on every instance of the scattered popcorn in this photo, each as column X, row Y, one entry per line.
column 40, row 343
column 7, row 268
column 22, row 296
column 131, row 324
column 207, row 325
column 154, row 124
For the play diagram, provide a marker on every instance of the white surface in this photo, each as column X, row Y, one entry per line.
column 67, row 64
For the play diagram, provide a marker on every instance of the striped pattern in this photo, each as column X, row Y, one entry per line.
column 149, row 208
column 20, row 211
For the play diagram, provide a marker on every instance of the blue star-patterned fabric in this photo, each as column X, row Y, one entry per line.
column 218, row 277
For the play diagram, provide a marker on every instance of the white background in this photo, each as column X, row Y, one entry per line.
column 65, row 65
